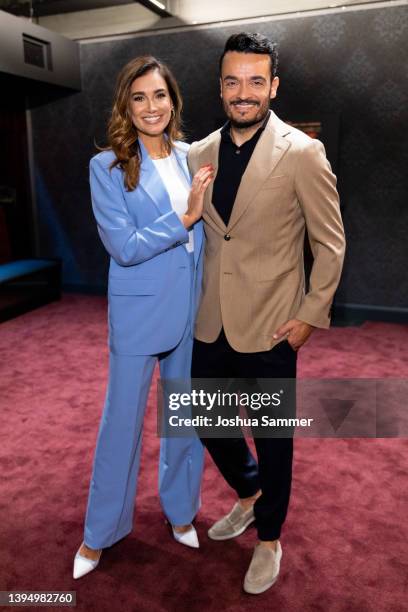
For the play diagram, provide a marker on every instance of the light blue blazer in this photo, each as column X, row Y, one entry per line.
column 149, row 288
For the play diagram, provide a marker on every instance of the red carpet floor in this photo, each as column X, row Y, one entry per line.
column 345, row 543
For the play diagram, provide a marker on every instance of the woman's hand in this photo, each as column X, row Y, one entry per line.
column 201, row 180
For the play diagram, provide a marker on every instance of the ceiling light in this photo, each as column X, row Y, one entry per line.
column 160, row 5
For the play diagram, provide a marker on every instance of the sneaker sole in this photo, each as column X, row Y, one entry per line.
column 263, row 589
column 234, row 535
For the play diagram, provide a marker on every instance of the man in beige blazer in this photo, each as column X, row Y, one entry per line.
column 273, row 183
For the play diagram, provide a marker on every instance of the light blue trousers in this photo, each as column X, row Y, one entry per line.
column 111, row 501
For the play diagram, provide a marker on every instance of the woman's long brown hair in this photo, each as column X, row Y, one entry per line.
column 122, row 134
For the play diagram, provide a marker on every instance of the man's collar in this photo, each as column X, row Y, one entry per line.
column 225, row 130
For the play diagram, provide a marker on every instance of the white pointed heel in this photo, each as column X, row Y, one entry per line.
column 83, row 565
column 188, row 538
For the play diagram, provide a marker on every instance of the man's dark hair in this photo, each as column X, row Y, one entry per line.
column 246, row 42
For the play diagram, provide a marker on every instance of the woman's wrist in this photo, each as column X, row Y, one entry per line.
column 188, row 220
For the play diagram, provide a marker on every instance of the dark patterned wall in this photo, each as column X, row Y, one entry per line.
column 352, row 65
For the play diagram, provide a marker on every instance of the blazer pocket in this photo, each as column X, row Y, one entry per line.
column 132, row 286
column 274, row 182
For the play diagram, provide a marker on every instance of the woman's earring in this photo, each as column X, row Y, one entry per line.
column 172, row 112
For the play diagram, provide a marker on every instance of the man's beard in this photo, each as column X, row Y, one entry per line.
column 247, row 123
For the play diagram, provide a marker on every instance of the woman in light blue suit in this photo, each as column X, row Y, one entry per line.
column 147, row 212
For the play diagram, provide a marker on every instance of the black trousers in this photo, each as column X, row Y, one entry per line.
column 273, row 472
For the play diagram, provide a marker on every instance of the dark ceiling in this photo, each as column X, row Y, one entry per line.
column 56, row 7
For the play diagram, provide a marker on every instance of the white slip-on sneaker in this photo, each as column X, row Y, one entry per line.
column 263, row 571
column 232, row 524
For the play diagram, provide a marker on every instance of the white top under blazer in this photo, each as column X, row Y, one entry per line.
column 177, row 187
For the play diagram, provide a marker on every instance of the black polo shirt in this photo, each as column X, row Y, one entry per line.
column 232, row 163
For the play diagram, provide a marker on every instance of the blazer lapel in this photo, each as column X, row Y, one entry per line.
column 181, row 157
column 152, row 184
column 269, row 150
column 211, row 157
column 198, row 240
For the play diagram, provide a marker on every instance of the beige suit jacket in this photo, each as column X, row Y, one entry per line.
column 254, row 281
